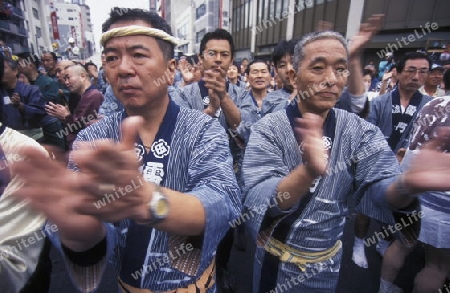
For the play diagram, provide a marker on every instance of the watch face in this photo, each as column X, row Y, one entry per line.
column 162, row 208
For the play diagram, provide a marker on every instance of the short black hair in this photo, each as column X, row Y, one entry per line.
column 29, row 59
column 122, row 14
column 283, row 48
column 193, row 60
column 218, row 34
column 54, row 57
column 90, row 63
column 400, row 65
column 368, row 72
column 247, row 70
column 447, row 79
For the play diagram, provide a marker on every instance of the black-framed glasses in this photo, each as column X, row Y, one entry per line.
column 213, row 53
column 413, row 71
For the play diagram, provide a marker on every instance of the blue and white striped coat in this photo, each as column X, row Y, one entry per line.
column 360, row 162
column 200, row 164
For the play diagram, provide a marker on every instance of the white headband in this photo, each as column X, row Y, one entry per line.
column 134, row 30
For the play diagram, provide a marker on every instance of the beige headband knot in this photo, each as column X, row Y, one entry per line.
column 135, row 30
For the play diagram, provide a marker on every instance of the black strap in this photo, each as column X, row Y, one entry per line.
column 154, row 170
column 271, row 264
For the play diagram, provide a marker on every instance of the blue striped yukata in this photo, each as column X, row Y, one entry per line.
column 275, row 101
column 356, row 167
column 381, row 116
column 194, row 97
column 191, row 97
column 200, row 164
column 239, row 83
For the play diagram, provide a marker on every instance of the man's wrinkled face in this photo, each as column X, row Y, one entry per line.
column 217, row 53
column 60, row 66
column 48, row 62
column 283, row 67
column 435, row 77
column 258, row 76
column 74, row 80
column 414, row 74
column 9, row 74
column 322, row 75
column 136, row 68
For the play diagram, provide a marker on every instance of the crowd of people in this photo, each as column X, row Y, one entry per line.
column 143, row 164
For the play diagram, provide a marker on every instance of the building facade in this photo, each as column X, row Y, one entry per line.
column 258, row 25
column 190, row 20
column 12, row 25
column 74, row 22
column 37, row 24
column 209, row 15
column 184, row 30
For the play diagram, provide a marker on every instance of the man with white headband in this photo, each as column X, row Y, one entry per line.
column 164, row 176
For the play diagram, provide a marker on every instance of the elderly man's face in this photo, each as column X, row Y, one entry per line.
column 136, row 68
column 321, row 77
column 74, row 81
column 435, row 77
column 48, row 62
column 60, row 70
column 413, row 75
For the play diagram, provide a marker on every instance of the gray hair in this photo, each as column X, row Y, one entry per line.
column 299, row 51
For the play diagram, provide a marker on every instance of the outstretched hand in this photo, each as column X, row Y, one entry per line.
column 366, row 31
column 108, row 187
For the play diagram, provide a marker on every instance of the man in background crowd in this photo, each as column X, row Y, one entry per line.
column 433, row 81
column 29, row 64
column 23, row 104
column 86, row 112
column 49, row 61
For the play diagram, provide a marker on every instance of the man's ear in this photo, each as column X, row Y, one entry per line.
column 292, row 77
column 171, row 69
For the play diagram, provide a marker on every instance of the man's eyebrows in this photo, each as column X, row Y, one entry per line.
column 132, row 48
column 324, row 60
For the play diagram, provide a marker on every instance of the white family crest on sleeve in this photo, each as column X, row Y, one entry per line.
column 153, row 172
column 327, row 143
column 160, row 148
column 206, row 100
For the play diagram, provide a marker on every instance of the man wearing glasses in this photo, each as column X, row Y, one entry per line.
column 394, row 113
column 232, row 106
column 214, row 95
